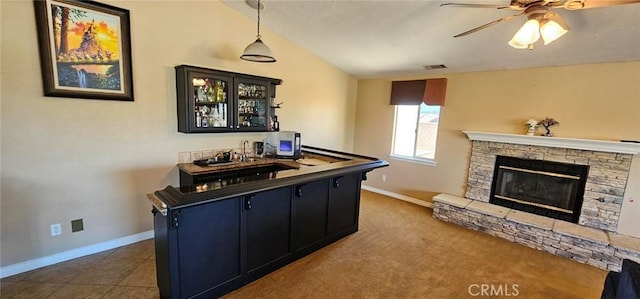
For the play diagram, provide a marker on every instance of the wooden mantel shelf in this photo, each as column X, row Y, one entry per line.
column 572, row 143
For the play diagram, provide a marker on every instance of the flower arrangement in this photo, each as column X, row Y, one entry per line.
column 531, row 125
column 547, row 123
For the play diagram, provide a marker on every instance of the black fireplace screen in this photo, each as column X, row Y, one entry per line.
column 546, row 188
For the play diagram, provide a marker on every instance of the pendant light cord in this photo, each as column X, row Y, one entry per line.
column 258, row 20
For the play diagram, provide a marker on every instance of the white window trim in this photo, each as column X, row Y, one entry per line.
column 422, row 161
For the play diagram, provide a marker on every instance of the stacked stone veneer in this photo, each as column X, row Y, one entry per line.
column 591, row 246
column 604, row 189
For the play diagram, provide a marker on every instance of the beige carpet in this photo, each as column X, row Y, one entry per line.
column 402, row 252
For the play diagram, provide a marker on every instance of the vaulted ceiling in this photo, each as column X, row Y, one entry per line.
column 371, row 39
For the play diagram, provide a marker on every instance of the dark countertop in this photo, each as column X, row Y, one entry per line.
column 324, row 163
column 194, row 169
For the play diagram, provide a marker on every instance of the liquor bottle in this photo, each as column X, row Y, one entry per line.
column 205, row 121
column 224, row 93
column 276, row 123
column 219, row 91
column 224, row 114
column 211, row 97
column 198, row 118
column 200, row 94
column 215, row 117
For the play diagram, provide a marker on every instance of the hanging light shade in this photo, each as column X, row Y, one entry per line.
column 553, row 27
column 528, row 34
column 257, row 51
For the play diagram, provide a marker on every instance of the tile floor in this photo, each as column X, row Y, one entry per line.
column 124, row 272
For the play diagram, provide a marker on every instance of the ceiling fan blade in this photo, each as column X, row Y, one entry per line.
column 507, row 18
column 584, row 4
column 470, row 5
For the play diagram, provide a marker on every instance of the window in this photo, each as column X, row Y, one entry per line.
column 415, row 132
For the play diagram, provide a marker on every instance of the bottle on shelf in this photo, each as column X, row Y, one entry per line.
column 218, row 90
column 198, row 119
column 215, row 117
column 276, row 123
column 199, row 94
column 205, row 120
column 242, row 91
column 224, row 93
column 211, row 97
column 221, row 114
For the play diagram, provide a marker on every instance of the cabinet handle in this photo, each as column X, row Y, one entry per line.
column 299, row 190
column 247, row 202
column 336, row 182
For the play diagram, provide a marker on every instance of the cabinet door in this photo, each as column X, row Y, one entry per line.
column 252, row 108
column 205, row 101
column 209, row 247
column 310, row 213
column 268, row 221
column 344, row 203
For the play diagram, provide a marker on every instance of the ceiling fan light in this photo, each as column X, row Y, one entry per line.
column 516, row 44
column 528, row 34
column 552, row 30
column 258, row 52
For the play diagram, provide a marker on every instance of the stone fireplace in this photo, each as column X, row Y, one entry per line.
column 606, row 180
column 558, row 195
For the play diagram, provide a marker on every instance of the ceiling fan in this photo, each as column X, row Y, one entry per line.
column 541, row 20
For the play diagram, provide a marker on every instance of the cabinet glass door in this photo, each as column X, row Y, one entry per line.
column 252, row 111
column 211, row 102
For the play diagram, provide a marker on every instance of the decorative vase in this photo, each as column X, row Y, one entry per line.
column 531, row 131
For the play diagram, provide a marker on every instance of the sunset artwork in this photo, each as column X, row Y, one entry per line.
column 86, row 47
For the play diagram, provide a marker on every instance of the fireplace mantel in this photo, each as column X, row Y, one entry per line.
column 572, row 143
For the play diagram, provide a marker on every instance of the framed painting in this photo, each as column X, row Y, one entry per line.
column 85, row 49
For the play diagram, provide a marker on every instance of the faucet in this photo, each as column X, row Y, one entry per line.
column 244, row 156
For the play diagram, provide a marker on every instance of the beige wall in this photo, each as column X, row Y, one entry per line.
column 600, row 101
column 64, row 158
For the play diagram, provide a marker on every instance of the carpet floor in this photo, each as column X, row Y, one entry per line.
column 400, row 251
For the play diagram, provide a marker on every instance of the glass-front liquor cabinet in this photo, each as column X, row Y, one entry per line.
column 252, row 105
column 211, row 101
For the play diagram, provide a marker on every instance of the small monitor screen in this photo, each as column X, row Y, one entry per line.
column 286, row 145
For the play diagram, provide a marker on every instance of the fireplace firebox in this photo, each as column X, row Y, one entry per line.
column 546, row 188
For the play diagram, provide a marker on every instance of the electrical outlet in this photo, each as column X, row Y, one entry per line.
column 56, row 229
column 384, row 177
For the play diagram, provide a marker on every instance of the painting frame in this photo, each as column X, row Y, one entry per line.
column 92, row 60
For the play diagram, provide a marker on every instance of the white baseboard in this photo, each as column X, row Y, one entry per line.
column 29, row 265
column 399, row 196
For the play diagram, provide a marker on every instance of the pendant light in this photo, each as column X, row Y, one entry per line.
column 257, row 51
